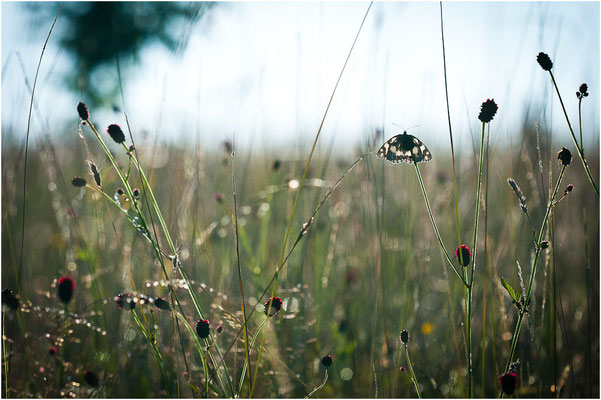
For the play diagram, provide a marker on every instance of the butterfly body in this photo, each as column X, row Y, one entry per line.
column 404, row 148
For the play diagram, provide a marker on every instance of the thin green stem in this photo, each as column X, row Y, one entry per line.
column 469, row 289
column 413, row 377
column 578, row 148
column 302, row 182
column 446, row 90
column 538, row 250
column 442, row 246
column 157, row 353
column 247, row 363
column 325, row 379
column 580, row 123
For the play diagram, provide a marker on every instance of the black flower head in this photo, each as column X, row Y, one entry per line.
column 276, row 165
column 116, row 133
column 203, row 328
column 136, row 192
column 582, row 91
column 78, row 181
column 162, row 304
column 327, row 361
column 544, row 61
column 119, row 191
column 91, row 379
column 569, row 188
column 52, row 351
column 564, row 156
column 465, row 255
column 219, row 329
column 83, row 112
column 10, row 299
column 66, row 287
column 404, row 336
column 276, row 305
column 509, row 382
column 125, row 301
column 488, row 109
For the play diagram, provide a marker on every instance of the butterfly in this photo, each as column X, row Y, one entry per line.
column 404, row 148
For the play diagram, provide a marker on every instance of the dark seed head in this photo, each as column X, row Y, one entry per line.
column 53, row 351
column 564, row 156
column 276, row 165
column 96, row 174
column 327, row 361
column 403, row 370
column 203, row 328
column 83, row 112
column 465, row 254
column 136, row 192
column 227, row 146
column 404, row 336
column 78, row 181
column 91, row 379
column 276, row 306
column 116, row 133
column 544, row 61
column 219, row 198
column 544, row 244
column 125, row 301
column 120, row 191
column 509, row 382
column 66, row 287
column 219, row 329
column 582, row 91
column 162, row 304
column 488, row 109
column 569, row 188
column 10, row 299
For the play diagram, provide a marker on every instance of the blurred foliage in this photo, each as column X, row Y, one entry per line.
column 102, row 34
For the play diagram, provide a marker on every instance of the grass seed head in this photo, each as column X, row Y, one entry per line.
column 203, row 328
column 116, row 133
column 161, row 304
column 276, row 306
column 544, row 61
column 519, row 194
column 404, row 336
column 465, row 255
column 582, row 91
column 95, row 173
column 10, row 299
column 488, row 109
column 564, row 156
column 66, row 287
column 78, row 181
column 327, row 361
column 509, row 382
column 91, row 379
column 83, row 112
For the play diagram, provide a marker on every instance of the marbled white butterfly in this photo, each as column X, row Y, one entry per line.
column 404, row 148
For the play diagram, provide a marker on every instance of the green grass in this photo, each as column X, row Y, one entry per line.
column 368, row 267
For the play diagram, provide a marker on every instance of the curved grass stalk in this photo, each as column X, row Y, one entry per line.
column 538, row 250
column 442, row 246
column 325, row 379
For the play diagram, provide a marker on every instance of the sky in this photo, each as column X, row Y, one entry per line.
column 264, row 72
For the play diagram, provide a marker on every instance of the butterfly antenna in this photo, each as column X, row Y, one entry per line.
column 405, row 130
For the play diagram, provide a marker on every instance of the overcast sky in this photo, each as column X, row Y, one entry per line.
column 265, row 71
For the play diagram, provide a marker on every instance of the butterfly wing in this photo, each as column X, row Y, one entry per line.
column 404, row 148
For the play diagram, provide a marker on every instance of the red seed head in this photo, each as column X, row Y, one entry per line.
column 66, row 287
column 465, row 254
column 203, row 328
column 276, row 305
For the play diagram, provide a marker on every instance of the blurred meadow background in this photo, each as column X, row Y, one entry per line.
column 198, row 80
